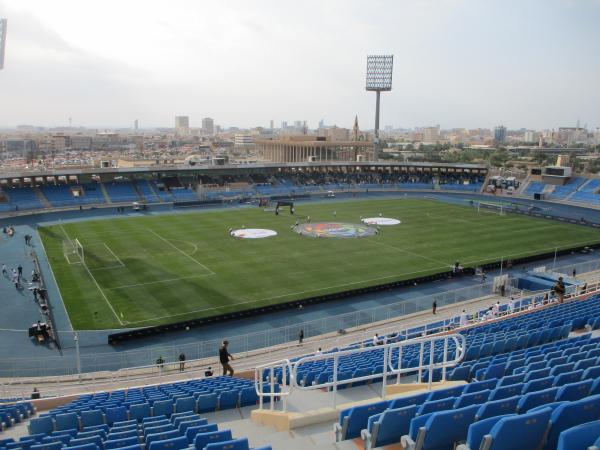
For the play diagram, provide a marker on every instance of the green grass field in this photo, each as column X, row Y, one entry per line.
column 152, row 270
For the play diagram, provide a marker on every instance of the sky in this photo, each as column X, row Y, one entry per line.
column 458, row 63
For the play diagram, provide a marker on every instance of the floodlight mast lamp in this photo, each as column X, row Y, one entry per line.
column 379, row 79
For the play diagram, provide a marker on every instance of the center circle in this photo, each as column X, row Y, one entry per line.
column 335, row 230
column 253, row 233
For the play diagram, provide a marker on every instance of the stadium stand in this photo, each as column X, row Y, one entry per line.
column 547, row 372
column 122, row 191
column 148, row 193
column 588, row 193
column 19, row 199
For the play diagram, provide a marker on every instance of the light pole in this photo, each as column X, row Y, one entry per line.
column 379, row 78
column 76, row 339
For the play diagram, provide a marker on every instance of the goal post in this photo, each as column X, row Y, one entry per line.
column 79, row 250
column 73, row 251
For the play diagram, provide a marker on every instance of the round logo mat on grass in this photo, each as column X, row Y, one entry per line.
column 380, row 221
column 335, row 230
column 253, row 233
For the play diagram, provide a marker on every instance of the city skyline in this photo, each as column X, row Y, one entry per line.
column 459, row 63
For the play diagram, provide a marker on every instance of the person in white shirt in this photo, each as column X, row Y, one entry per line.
column 511, row 306
column 376, row 339
column 464, row 319
column 319, row 352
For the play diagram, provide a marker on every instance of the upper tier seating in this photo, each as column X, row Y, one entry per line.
column 147, row 192
column 20, row 198
column 122, row 191
column 590, row 193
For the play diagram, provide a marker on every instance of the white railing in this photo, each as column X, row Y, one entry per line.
column 387, row 368
column 284, row 389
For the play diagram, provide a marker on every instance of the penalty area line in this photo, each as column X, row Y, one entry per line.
column 180, row 251
column 96, row 283
column 125, row 286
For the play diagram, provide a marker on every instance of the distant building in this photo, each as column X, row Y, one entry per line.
column 531, row 136
column 305, row 148
column 135, row 124
column 208, row 126
column 500, row 134
column 20, row 146
column 3, row 23
column 243, row 140
column 182, row 126
column 431, row 134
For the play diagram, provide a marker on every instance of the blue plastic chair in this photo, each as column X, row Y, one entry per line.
column 139, row 411
column 41, row 425
column 119, row 443
column 355, row 419
column 91, row 418
column 574, row 391
column 177, row 443
column 204, row 439
column 497, row 408
column 191, row 432
column 235, row 444
column 389, row 426
column 579, row 437
column 163, row 408
column 534, row 399
column 572, row 414
column 518, row 432
column 69, row 421
column 185, row 404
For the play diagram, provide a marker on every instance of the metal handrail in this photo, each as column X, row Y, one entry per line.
column 285, row 365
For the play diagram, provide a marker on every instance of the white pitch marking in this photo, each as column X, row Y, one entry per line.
column 410, row 253
column 159, row 281
column 180, row 251
column 96, row 283
column 113, row 253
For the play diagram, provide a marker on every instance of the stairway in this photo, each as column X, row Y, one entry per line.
column 577, row 190
column 41, row 197
column 137, row 190
column 105, row 193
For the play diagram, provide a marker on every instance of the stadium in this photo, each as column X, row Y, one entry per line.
column 366, row 304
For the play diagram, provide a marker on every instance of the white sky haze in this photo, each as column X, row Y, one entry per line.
column 458, row 63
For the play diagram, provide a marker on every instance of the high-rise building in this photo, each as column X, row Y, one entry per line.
column 135, row 124
column 272, row 125
column 500, row 134
column 243, row 139
column 431, row 134
column 531, row 136
column 182, row 125
column 3, row 23
column 208, row 126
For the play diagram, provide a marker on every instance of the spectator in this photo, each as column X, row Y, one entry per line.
column 160, row 362
column 511, row 306
column 224, row 358
column 208, row 372
column 434, row 307
column 301, row 336
column 35, row 394
column 181, row 362
column 464, row 318
column 559, row 289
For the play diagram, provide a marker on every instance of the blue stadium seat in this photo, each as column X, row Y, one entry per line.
column 497, row 408
column 506, row 391
column 183, row 426
column 132, row 447
column 203, row 439
column 139, row 411
column 445, row 393
column 477, row 386
column 116, row 414
column 568, row 377
column 149, row 439
column 476, row 398
column 95, row 440
column 65, row 439
column 417, row 399
column 47, row 446
column 436, row 405
column 185, row 404
column 191, row 432
column 515, row 432
column 68, row 421
column 119, row 443
column 82, row 447
column 163, row 408
column 228, row 399
column 388, row 427
column 41, row 425
column 355, row 419
column 574, row 391
column 123, row 434
column 163, row 428
column 177, row 443
column 579, row 437
column 207, row 402
column 442, row 429
column 534, row 399
column 572, row 414
column 235, row 444
column 537, row 385
column 91, row 418
column 248, row 396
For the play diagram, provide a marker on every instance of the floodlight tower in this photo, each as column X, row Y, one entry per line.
column 379, row 79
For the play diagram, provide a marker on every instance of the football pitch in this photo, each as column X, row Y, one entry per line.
column 151, row 270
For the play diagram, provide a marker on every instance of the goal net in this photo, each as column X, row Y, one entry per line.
column 73, row 251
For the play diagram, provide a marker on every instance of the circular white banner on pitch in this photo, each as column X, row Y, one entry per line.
column 253, row 233
column 381, row 221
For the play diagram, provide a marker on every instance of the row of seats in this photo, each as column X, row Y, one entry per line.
column 14, row 413
column 385, row 422
column 180, row 431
